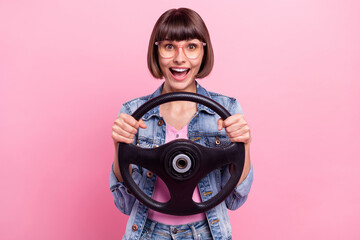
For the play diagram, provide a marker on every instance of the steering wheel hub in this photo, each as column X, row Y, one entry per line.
column 181, row 163
column 182, row 160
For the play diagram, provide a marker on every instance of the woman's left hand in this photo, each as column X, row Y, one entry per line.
column 236, row 127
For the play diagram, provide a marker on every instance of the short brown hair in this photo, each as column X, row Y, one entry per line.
column 178, row 25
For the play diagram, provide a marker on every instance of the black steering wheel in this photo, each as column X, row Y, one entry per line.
column 181, row 163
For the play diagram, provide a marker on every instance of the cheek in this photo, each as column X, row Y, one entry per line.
column 196, row 65
column 163, row 64
column 162, row 69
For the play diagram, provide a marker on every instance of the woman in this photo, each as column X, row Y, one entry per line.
column 179, row 52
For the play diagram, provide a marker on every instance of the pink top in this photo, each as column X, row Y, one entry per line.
column 161, row 192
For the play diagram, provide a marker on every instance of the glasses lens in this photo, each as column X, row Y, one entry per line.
column 192, row 50
column 168, row 49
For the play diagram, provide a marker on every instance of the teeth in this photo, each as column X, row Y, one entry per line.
column 179, row 69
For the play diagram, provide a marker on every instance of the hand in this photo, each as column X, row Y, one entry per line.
column 125, row 127
column 236, row 127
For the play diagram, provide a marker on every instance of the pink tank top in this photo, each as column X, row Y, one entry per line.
column 162, row 194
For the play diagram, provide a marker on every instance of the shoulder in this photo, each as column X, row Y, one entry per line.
column 230, row 103
column 222, row 99
column 130, row 106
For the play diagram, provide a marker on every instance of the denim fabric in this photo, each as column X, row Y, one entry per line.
column 192, row 231
column 202, row 129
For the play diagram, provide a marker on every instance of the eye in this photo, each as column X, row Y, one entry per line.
column 169, row 46
column 192, row 46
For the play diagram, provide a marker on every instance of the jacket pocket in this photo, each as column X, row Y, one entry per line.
column 143, row 142
column 216, row 141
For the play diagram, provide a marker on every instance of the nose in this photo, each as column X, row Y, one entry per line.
column 180, row 56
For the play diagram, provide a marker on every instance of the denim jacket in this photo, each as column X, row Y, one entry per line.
column 202, row 129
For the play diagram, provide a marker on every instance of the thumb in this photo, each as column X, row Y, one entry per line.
column 142, row 124
column 220, row 124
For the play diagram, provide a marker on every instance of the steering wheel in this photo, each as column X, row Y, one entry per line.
column 181, row 163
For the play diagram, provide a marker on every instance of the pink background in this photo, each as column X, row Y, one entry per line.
column 67, row 66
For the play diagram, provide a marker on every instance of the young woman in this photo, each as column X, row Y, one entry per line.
column 179, row 52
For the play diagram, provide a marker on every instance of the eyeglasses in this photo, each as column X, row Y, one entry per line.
column 191, row 49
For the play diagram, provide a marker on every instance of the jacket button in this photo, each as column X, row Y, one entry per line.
column 149, row 174
column 160, row 122
column 135, row 227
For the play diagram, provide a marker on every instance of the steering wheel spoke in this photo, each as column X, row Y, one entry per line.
column 215, row 158
column 147, row 158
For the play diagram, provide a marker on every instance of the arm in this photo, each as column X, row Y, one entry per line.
column 237, row 130
column 124, row 130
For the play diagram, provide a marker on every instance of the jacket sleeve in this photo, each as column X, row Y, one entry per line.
column 123, row 199
column 240, row 194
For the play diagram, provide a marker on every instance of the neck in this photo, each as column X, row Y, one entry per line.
column 169, row 89
column 178, row 106
column 178, row 113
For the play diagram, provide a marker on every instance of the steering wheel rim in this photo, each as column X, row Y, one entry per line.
column 176, row 181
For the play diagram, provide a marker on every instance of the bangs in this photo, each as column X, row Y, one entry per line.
column 178, row 28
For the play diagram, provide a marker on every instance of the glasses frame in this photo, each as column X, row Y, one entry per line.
column 157, row 43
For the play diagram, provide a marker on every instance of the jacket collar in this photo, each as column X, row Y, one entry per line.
column 156, row 110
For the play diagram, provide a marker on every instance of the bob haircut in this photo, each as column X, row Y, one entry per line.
column 178, row 25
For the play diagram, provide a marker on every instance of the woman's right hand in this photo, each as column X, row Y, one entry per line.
column 125, row 127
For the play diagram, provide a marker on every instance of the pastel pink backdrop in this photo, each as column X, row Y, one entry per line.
column 67, row 66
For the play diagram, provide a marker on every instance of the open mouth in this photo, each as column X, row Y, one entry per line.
column 179, row 73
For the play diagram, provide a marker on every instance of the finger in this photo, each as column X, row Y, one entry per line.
column 236, row 133
column 220, row 123
column 129, row 120
column 243, row 138
column 126, row 127
column 233, row 119
column 122, row 132
column 237, row 126
column 118, row 138
column 237, row 130
column 142, row 124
